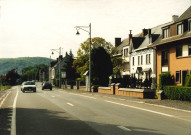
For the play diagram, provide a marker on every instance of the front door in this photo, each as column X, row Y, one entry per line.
column 184, row 73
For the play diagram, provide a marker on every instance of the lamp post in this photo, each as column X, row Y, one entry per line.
column 89, row 32
column 58, row 51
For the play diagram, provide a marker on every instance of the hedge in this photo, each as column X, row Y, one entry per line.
column 177, row 93
column 188, row 80
column 165, row 79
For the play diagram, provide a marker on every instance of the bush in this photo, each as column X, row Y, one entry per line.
column 165, row 79
column 188, row 80
column 177, row 93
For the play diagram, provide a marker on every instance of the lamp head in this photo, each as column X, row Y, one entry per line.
column 77, row 33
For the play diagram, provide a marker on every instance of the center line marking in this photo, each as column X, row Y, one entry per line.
column 70, row 104
column 124, row 128
column 13, row 122
column 140, row 108
column 82, row 95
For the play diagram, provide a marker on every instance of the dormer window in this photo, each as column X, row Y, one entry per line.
column 165, row 32
column 179, row 29
column 189, row 25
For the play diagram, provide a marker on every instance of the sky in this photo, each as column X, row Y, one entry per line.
column 31, row 28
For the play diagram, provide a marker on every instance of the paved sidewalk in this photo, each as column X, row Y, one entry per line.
column 184, row 105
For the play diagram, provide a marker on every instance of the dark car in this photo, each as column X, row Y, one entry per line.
column 47, row 85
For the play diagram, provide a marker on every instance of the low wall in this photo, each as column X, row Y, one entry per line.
column 107, row 90
column 138, row 93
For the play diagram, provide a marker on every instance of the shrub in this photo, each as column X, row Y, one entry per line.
column 165, row 79
column 188, row 80
column 177, row 93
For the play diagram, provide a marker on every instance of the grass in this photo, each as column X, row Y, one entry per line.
column 4, row 87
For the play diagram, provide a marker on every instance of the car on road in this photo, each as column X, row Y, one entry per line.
column 28, row 86
column 46, row 85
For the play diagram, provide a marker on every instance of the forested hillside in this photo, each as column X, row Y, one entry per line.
column 7, row 64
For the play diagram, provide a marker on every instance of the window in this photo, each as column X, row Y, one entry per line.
column 189, row 25
column 141, row 59
column 133, row 61
column 148, row 58
column 165, row 55
column 178, row 76
column 126, row 67
column 179, row 29
column 178, row 51
column 166, row 33
column 138, row 60
column 125, row 52
column 189, row 49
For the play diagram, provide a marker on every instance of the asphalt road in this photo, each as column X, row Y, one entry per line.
column 61, row 112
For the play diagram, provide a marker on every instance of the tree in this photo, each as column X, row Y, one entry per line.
column 82, row 61
column 12, row 77
column 68, row 66
column 102, row 66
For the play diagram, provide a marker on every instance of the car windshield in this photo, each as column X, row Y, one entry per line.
column 29, row 83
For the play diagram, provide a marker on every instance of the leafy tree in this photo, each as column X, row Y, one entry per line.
column 82, row 61
column 102, row 66
column 117, row 61
column 12, row 77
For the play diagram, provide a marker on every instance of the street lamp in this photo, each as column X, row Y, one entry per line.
column 77, row 33
column 58, row 51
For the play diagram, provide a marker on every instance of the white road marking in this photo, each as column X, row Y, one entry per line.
column 124, row 128
column 4, row 99
column 82, row 95
column 70, row 104
column 13, row 122
column 53, row 96
column 168, row 115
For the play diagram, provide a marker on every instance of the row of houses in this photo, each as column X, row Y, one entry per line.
column 164, row 48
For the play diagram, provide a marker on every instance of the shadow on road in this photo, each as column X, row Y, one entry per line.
column 46, row 122
column 5, row 121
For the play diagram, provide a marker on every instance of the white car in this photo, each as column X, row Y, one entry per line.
column 28, row 86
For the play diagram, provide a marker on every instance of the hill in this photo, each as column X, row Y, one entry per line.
column 7, row 64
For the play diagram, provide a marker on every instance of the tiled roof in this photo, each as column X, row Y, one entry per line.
column 185, row 15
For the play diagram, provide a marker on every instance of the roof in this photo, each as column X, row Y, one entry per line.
column 171, row 39
column 125, row 42
column 155, row 34
column 185, row 15
column 185, row 35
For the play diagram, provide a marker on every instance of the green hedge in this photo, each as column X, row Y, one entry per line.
column 188, row 80
column 165, row 79
column 177, row 93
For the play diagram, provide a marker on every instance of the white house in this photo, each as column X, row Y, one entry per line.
column 142, row 57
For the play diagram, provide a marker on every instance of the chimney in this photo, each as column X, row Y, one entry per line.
column 117, row 42
column 145, row 32
column 149, row 32
column 174, row 18
column 130, row 36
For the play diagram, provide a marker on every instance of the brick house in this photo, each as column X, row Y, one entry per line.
column 174, row 48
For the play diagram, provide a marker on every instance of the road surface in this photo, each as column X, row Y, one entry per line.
column 60, row 112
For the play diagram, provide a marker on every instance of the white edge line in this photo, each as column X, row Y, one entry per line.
column 13, row 122
column 140, row 108
column 4, row 98
column 70, row 104
column 124, row 128
column 168, row 107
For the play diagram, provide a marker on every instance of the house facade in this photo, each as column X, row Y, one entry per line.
column 174, row 48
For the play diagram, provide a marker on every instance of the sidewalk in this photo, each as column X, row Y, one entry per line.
column 183, row 105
